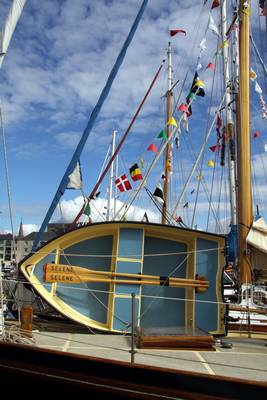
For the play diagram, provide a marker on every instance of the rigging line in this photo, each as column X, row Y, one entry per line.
column 8, row 186
column 203, row 155
column 134, row 255
column 211, row 190
column 156, row 158
column 160, row 289
column 94, row 295
column 122, row 140
column 198, row 157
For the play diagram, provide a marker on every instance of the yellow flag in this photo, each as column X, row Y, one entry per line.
column 142, row 163
column 169, row 165
column 252, row 74
column 199, row 177
column 199, row 83
column 211, row 163
column 172, row 122
column 224, row 44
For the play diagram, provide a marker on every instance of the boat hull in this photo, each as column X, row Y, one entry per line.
column 139, row 249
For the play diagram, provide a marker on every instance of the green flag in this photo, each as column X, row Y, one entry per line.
column 87, row 209
column 162, row 135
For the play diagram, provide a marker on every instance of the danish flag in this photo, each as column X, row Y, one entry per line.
column 123, row 183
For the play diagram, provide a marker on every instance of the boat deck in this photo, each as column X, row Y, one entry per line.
column 246, row 359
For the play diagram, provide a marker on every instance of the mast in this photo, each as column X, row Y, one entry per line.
column 245, row 217
column 168, row 150
column 111, row 177
column 229, row 115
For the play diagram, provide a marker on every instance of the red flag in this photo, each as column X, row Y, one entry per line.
column 153, row 148
column 210, row 66
column 216, row 3
column 183, row 107
column 179, row 219
column 214, row 148
column 173, row 32
column 123, row 183
column 256, row 134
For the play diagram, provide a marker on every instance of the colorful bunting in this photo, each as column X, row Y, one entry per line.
column 196, row 86
column 162, row 135
column 216, row 3
column 202, row 44
column 213, row 27
column 252, row 74
column 153, row 148
column 172, row 122
column 123, row 183
column 179, row 220
column 182, row 107
column 87, row 209
column 145, row 218
column 135, row 172
column 199, row 177
column 225, row 43
column 158, row 194
column 258, row 89
column 173, row 32
column 211, row 163
column 210, row 66
column 215, row 147
column 256, row 134
column 169, row 165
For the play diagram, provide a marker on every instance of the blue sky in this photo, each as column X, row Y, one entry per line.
column 57, row 64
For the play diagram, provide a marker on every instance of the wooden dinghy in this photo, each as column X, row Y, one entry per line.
column 89, row 275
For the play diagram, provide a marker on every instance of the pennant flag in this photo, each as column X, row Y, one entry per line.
column 123, row 183
column 216, row 3
column 258, row 88
column 192, row 191
column 162, row 135
column 199, row 177
column 186, row 205
column 87, row 209
column 153, row 148
column 179, row 220
column 172, row 122
column 185, row 120
column 213, row 27
column 169, row 165
column 263, row 7
column 95, row 196
column 158, row 194
column 210, row 66
column 256, row 134
column 163, row 176
column 173, row 32
column 142, row 163
column 211, row 163
column 199, row 66
column 75, row 178
column 182, row 107
column 195, row 88
column 214, row 148
column 225, row 43
column 202, row 44
column 252, row 74
column 135, row 172
column 145, row 218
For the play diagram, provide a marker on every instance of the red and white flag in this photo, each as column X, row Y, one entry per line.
column 123, row 183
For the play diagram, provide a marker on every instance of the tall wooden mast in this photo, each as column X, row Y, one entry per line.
column 168, row 150
column 245, row 217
